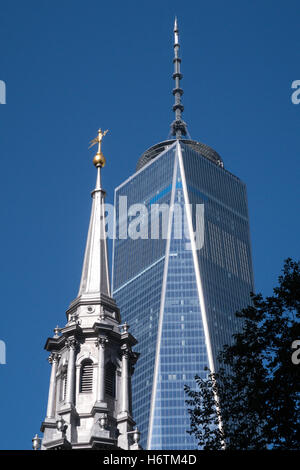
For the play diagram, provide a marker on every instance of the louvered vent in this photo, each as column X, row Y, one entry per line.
column 110, row 380
column 64, row 386
column 86, row 379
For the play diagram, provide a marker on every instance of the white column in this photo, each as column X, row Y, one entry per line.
column 53, row 359
column 71, row 344
column 101, row 369
column 125, row 383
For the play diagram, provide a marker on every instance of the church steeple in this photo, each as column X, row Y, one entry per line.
column 95, row 272
column 178, row 126
column 89, row 401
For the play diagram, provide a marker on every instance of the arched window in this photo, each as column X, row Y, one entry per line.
column 110, row 380
column 86, row 376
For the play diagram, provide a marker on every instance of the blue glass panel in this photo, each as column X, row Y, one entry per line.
column 225, row 259
column 182, row 352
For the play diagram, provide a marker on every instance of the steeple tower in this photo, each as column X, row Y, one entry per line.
column 178, row 126
column 89, row 401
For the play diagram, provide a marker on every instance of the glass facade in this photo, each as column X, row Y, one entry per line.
column 180, row 299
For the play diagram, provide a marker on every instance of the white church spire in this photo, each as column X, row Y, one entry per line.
column 95, row 272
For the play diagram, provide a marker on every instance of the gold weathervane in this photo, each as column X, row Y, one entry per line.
column 99, row 159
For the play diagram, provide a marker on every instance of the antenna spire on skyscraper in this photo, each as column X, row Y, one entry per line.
column 178, row 126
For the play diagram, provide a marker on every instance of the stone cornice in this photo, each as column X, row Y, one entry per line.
column 95, row 299
column 54, row 344
column 72, row 329
column 127, row 338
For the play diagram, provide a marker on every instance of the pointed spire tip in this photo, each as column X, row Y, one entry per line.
column 175, row 24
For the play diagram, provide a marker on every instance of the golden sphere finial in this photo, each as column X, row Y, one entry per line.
column 99, row 159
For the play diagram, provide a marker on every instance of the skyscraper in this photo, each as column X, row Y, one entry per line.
column 179, row 293
column 89, row 402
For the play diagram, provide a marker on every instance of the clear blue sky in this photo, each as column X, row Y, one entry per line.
column 71, row 67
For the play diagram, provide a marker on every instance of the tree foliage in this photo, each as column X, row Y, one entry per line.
column 257, row 384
